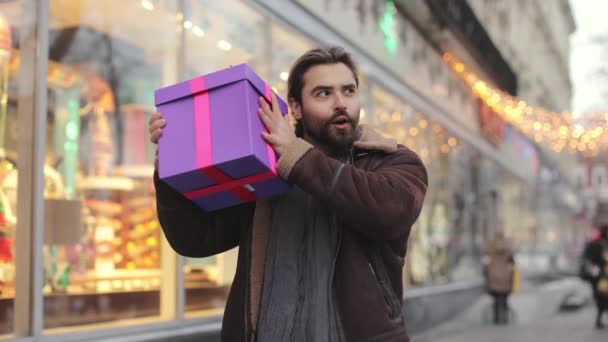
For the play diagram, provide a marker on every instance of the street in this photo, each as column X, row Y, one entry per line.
column 535, row 321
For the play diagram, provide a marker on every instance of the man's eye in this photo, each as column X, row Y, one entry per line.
column 350, row 91
column 323, row 93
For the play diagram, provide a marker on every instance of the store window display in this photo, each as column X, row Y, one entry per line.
column 433, row 230
column 13, row 16
column 463, row 247
column 102, row 251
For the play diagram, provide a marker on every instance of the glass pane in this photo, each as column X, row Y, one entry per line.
column 462, row 250
column 215, row 40
column 12, row 14
column 102, row 240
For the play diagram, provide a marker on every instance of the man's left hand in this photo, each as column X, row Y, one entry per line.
column 280, row 133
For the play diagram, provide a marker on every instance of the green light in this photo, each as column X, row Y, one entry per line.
column 73, row 105
column 71, row 130
column 70, row 146
column 387, row 26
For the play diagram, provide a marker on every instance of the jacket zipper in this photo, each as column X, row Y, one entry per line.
column 331, row 286
column 385, row 288
column 389, row 307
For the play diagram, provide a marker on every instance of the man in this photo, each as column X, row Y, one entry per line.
column 595, row 271
column 499, row 266
column 323, row 262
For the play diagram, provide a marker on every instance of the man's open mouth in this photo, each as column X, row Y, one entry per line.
column 341, row 121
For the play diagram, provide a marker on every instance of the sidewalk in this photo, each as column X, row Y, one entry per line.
column 537, row 319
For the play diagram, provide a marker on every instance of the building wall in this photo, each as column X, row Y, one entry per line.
column 533, row 37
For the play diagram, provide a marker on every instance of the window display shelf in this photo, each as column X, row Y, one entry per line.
column 135, row 171
column 107, row 183
column 7, row 290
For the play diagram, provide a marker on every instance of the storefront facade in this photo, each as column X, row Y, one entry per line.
column 84, row 255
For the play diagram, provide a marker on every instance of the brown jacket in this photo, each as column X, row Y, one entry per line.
column 377, row 200
column 500, row 267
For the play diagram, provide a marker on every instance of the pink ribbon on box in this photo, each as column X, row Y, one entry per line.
column 204, row 163
column 202, row 122
column 269, row 150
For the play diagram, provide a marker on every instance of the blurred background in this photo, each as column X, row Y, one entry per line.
column 506, row 102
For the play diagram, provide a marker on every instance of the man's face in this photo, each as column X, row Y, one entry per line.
column 330, row 106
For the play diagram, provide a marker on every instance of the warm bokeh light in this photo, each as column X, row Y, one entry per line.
column 555, row 130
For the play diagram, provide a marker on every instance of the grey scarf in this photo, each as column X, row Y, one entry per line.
column 297, row 297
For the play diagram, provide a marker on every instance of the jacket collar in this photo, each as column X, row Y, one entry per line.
column 371, row 140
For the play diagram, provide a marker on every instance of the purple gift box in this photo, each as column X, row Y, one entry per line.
column 212, row 150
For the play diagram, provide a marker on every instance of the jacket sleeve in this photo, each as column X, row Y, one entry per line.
column 382, row 203
column 195, row 233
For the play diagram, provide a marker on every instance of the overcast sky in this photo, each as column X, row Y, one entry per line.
column 590, row 91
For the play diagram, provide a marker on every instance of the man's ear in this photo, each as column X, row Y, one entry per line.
column 296, row 109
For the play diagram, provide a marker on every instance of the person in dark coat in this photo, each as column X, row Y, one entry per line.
column 594, row 269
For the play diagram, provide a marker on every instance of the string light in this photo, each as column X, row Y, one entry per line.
column 556, row 130
column 452, row 141
column 147, row 5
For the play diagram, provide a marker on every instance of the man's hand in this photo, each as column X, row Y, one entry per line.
column 280, row 133
column 156, row 127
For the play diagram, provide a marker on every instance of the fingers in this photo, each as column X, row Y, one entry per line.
column 275, row 104
column 159, row 123
column 275, row 111
column 269, row 138
column 156, row 125
column 154, row 136
column 154, row 117
column 266, row 119
column 264, row 106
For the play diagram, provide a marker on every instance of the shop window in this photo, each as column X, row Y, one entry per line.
column 14, row 16
column 102, row 251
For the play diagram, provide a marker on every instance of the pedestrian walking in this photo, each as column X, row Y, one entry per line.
column 499, row 270
column 594, row 269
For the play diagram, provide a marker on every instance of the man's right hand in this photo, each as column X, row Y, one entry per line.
column 156, row 127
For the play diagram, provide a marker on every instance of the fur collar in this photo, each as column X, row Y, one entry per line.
column 370, row 139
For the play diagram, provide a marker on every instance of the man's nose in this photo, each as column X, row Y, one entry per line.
column 340, row 103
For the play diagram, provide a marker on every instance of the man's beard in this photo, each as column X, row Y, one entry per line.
column 339, row 142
